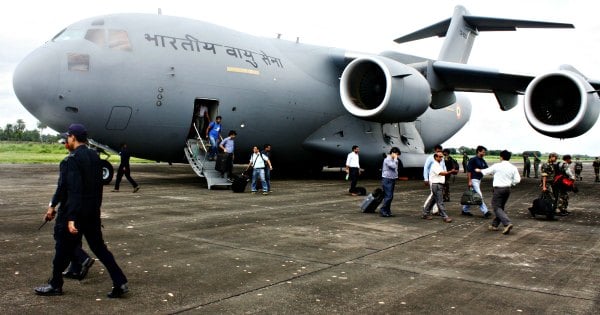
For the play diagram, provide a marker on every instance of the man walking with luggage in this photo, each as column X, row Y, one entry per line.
column 353, row 169
column 228, row 147
column 259, row 162
column 389, row 174
column 437, row 178
column 505, row 176
column 474, row 181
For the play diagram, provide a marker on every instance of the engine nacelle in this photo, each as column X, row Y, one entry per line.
column 380, row 89
column 561, row 104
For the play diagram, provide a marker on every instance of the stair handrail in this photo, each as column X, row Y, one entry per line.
column 200, row 139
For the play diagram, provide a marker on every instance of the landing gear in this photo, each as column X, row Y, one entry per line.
column 107, row 172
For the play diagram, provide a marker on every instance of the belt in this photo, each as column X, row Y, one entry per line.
column 501, row 186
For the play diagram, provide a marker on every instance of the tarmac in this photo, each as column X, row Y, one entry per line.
column 304, row 249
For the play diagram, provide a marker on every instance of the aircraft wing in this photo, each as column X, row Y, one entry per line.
column 468, row 78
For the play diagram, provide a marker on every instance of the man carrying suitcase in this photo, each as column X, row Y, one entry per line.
column 389, row 174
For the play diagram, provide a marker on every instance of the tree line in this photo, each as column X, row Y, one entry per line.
column 18, row 132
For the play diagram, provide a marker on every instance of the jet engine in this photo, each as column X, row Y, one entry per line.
column 379, row 89
column 561, row 104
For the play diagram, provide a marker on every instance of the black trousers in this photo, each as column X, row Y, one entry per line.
column 66, row 244
column 127, row 172
column 353, row 176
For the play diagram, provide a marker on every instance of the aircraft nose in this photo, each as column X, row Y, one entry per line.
column 35, row 81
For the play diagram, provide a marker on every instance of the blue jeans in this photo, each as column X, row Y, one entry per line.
column 259, row 172
column 476, row 183
column 213, row 147
column 388, row 185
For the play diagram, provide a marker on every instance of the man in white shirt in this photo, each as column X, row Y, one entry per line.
column 505, row 176
column 426, row 169
column 259, row 162
column 353, row 169
column 437, row 178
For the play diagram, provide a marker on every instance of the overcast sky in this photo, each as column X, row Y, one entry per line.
column 365, row 26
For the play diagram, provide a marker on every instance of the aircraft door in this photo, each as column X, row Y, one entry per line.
column 119, row 118
column 201, row 119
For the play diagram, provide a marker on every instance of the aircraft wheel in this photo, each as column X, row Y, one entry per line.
column 107, row 172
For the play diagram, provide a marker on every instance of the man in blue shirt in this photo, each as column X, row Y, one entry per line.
column 474, row 180
column 213, row 132
column 228, row 146
column 389, row 174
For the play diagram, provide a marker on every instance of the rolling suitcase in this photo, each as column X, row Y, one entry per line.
column 239, row 183
column 221, row 163
column 372, row 201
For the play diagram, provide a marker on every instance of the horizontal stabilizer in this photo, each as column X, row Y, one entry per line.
column 479, row 24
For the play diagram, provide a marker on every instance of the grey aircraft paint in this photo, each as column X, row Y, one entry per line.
column 134, row 78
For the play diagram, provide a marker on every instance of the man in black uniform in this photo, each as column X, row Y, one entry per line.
column 125, row 169
column 82, row 216
column 79, row 266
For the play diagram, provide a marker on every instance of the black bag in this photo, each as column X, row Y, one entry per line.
column 544, row 205
column 239, row 183
column 471, row 198
column 221, row 163
column 372, row 201
column 361, row 191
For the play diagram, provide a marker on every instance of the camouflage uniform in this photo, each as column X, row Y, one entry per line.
column 596, row 166
column 578, row 169
column 563, row 197
column 526, row 165
column 548, row 171
column 536, row 164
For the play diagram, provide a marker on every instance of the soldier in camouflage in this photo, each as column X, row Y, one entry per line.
column 596, row 166
column 551, row 192
column 578, row 169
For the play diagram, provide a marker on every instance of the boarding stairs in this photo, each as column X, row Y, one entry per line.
column 196, row 153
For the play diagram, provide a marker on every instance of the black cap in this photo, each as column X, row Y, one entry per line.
column 77, row 130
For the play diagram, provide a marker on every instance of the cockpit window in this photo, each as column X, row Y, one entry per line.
column 78, row 62
column 69, row 34
column 95, row 36
column 118, row 39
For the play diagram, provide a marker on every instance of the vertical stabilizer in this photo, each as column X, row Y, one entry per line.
column 459, row 38
column 460, row 32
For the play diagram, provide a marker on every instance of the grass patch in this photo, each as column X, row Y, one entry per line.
column 42, row 153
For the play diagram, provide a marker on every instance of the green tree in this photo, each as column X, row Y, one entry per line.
column 41, row 126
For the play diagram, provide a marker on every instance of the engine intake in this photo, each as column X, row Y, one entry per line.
column 561, row 104
column 380, row 89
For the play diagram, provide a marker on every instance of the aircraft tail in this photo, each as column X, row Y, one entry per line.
column 460, row 32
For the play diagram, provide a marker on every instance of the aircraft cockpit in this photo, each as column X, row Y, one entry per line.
column 114, row 39
column 108, row 38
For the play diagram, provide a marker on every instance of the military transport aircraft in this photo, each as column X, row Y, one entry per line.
column 141, row 79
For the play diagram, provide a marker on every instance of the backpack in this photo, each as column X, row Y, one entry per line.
column 561, row 180
column 455, row 164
